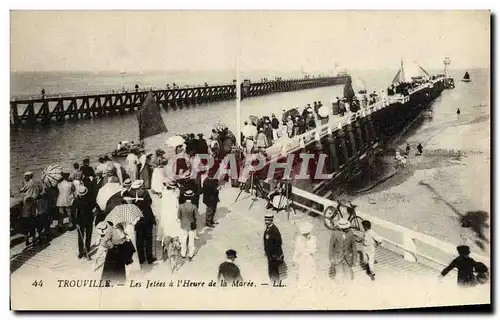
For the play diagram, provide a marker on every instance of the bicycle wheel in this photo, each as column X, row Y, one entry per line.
column 356, row 224
column 332, row 215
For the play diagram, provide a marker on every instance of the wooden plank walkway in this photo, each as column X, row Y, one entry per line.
column 242, row 230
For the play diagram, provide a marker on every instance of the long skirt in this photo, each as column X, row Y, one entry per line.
column 145, row 175
column 114, row 265
column 157, row 180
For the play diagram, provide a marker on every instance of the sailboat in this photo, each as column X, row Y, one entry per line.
column 150, row 124
column 466, row 77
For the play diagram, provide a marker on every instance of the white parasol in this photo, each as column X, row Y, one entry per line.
column 175, row 141
column 106, row 192
column 249, row 131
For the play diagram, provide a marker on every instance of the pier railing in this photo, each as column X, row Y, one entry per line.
column 336, row 122
column 46, row 108
column 413, row 246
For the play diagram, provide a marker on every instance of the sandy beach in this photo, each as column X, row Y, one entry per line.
column 449, row 184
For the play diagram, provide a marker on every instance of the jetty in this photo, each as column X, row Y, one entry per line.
column 48, row 108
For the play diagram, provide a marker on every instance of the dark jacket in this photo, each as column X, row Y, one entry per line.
column 87, row 171
column 342, row 247
column 84, row 205
column 229, row 272
column 275, row 123
column 145, row 205
column 465, row 267
column 272, row 243
column 210, row 192
column 202, row 146
column 187, row 214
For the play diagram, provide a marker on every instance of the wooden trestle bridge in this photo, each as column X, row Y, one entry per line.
column 45, row 109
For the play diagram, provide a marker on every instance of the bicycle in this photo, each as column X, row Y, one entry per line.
column 334, row 214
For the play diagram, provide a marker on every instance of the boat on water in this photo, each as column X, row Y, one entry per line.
column 126, row 150
column 466, row 77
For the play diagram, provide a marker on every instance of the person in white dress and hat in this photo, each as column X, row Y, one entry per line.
column 342, row 254
column 131, row 164
column 168, row 225
column 303, row 258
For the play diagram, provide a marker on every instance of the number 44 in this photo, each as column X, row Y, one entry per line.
column 37, row 283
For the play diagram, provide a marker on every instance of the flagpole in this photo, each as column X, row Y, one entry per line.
column 238, row 94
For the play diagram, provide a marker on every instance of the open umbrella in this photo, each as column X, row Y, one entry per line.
column 125, row 213
column 52, row 174
column 175, row 141
column 292, row 113
column 113, row 201
column 254, row 119
column 249, row 131
column 105, row 193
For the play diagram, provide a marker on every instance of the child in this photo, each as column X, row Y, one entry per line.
column 370, row 241
column 465, row 266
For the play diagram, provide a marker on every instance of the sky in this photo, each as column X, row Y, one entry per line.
column 265, row 40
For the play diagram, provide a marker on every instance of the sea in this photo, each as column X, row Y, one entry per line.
column 32, row 149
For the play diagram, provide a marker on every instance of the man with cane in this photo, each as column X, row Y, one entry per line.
column 84, row 205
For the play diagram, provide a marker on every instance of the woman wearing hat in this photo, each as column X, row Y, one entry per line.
column 65, row 200
column 168, row 225
column 261, row 141
column 132, row 161
column 30, row 190
column 115, row 249
column 303, row 258
column 84, row 206
column 158, row 172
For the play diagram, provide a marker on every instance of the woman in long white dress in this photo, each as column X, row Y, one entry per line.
column 303, row 258
column 158, row 172
column 169, row 226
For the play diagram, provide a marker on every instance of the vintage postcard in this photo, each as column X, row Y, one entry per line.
column 249, row 160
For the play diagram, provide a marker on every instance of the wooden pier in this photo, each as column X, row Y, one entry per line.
column 45, row 109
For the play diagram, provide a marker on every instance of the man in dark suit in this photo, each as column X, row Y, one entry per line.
column 273, row 250
column 187, row 217
column 342, row 252
column 144, row 227
column 210, row 199
column 228, row 270
column 84, row 205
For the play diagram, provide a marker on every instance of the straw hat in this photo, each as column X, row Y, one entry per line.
column 28, row 173
column 343, row 224
column 189, row 193
column 305, row 227
column 269, row 217
column 82, row 190
column 171, row 184
column 103, row 228
column 137, row 184
column 127, row 183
